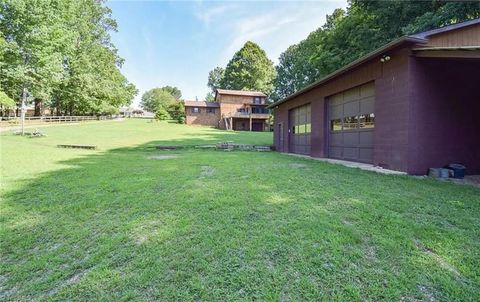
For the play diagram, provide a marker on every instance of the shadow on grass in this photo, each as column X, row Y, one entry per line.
column 133, row 223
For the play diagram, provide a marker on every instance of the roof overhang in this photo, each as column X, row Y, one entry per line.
column 468, row 52
column 406, row 40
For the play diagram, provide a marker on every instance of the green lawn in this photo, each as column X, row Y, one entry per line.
column 128, row 222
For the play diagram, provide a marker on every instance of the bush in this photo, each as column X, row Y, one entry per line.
column 181, row 120
column 162, row 114
column 176, row 111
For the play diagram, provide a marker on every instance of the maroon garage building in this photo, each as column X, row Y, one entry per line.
column 408, row 106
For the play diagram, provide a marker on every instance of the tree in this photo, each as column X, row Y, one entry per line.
column 249, row 69
column 177, row 111
column 62, row 54
column 215, row 78
column 162, row 114
column 449, row 13
column 210, row 97
column 5, row 101
column 155, row 98
column 174, row 91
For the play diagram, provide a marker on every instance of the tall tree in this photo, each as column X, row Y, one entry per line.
column 174, row 91
column 215, row 78
column 249, row 69
column 62, row 52
column 156, row 98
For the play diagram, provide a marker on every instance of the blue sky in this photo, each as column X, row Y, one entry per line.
column 177, row 43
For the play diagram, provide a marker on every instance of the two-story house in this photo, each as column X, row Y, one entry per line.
column 232, row 110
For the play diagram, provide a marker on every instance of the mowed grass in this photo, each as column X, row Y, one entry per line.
column 128, row 222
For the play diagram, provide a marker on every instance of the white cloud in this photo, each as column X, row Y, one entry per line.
column 206, row 14
column 276, row 29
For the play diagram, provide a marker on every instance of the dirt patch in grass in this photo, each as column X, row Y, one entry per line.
column 162, row 157
column 427, row 292
column 442, row 262
column 206, row 171
column 74, row 279
column 298, row 166
column 147, row 231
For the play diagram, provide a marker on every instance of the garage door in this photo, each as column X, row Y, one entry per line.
column 351, row 124
column 300, row 128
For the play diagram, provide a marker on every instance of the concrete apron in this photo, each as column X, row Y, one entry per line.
column 351, row 164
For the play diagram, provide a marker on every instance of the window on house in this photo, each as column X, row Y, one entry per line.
column 210, row 110
column 195, row 110
column 257, row 100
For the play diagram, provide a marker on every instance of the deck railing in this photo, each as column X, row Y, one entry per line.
column 248, row 115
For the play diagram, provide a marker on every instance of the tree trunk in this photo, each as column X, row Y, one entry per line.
column 38, row 107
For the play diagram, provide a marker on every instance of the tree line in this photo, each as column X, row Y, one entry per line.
column 60, row 52
column 346, row 36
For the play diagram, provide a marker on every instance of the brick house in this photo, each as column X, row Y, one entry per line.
column 232, row 110
column 409, row 105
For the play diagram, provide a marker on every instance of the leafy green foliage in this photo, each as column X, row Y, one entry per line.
column 215, row 78
column 162, row 114
column 210, row 97
column 177, row 112
column 365, row 26
column 62, row 54
column 165, row 102
column 164, row 97
column 174, row 91
column 6, row 101
column 249, row 69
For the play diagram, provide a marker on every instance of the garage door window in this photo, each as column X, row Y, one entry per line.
column 350, row 122
column 336, row 124
column 367, row 121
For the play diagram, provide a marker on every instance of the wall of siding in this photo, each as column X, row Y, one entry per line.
column 391, row 109
column 445, row 107
column 202, row 118
column 467, row 36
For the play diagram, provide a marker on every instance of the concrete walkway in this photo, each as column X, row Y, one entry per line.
column 351, row 164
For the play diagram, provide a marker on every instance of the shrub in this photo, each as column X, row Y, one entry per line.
column 162, row 114
column 176, row 110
